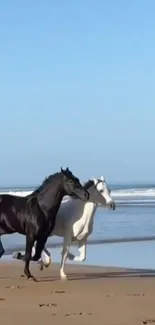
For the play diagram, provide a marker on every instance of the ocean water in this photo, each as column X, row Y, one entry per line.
column 133, row 218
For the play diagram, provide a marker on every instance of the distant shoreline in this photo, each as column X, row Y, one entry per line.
column 113, row 185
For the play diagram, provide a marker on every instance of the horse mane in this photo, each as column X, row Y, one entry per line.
column 88, row 184
column 45, row 183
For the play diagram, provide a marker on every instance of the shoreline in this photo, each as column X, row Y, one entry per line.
column 90, row 242
column 125, row 255
column 92, row 295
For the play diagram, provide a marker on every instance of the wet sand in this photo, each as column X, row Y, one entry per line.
column 92, row 295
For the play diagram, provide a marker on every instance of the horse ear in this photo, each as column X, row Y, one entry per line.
column 95, row 180
column 62, row 170
column 102, row 178
column 67, row 169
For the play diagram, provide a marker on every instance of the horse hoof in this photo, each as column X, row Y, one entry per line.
column 41, row 267
column 71, row 257
column 22, row 276
column 32, row 278
column 17, row 256
column 47, row 265
column 64, row 277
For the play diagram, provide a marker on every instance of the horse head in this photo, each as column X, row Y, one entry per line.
column 72, row 185
column 105, row 192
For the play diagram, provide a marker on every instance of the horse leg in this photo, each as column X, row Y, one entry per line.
column 66, row 245
column 20, row 256
column 45, row 259
column 82, row 250
column 27, row 257
column 29, row 245
column 41, row 241
column 2, row 251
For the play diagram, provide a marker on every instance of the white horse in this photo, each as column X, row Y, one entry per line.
column 74, row 222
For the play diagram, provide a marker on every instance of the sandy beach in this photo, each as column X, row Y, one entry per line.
column 92, row 295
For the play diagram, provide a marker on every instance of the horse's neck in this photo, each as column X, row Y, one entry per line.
column 90, row 208
column 56, row 204
column 88, row 211
column 51, row 200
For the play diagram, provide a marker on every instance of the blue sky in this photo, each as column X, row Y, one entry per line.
column 77, row 89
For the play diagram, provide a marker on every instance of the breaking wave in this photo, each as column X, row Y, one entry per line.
column 123, row 196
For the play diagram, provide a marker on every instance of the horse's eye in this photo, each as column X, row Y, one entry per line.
column 101, row 191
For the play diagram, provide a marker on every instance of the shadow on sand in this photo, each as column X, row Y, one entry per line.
column 130, row 273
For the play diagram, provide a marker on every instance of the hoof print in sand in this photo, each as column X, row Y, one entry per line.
column 78, row 314
column 136, row 294
column 2, row 299
column 48, row 305
column 13, row 287
column 148, row 321
column 58, row 291
column 110, row 295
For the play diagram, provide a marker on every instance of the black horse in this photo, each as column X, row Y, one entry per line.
column 35, row 215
